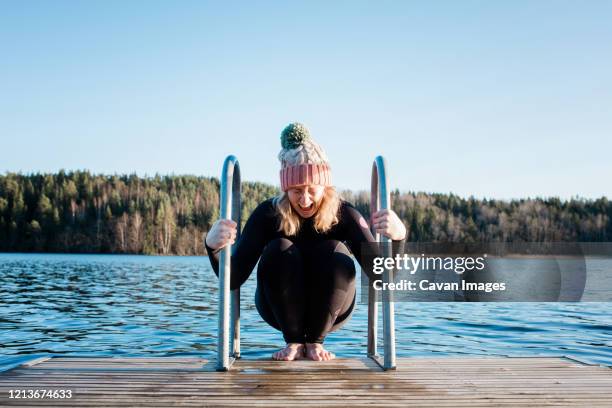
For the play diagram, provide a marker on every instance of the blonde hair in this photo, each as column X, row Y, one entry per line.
column 325, row 217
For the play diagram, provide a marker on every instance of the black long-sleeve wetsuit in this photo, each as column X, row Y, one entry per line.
column 306, row 282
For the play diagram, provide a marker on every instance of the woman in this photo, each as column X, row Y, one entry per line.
column 303, row 240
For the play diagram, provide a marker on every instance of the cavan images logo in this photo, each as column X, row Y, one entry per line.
column 412, row 264
column 486, row 272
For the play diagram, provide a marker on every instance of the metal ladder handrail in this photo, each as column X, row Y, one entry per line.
column 380, row 199
column 230, row 209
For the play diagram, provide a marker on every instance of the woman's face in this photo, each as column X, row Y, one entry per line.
column 306, row 199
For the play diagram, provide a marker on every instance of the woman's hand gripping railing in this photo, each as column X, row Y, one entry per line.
column 379, row 200
column 229, row 301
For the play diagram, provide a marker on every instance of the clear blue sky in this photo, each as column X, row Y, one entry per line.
column 492, row 98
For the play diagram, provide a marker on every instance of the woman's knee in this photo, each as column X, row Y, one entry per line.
column 280, row 248
column 335, row 256
column 279, row 255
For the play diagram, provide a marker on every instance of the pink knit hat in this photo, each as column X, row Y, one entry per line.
column 303, row 161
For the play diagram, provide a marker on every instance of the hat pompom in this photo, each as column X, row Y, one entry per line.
column 294, row 135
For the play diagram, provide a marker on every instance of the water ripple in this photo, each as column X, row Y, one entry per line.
column 103, row 305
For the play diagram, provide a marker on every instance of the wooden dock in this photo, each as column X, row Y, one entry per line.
column 423, row 382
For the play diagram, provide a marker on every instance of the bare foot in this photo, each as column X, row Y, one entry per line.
column 293, row 351
column 316, row 352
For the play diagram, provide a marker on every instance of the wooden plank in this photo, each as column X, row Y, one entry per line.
column 32, row 363
column 428, row 382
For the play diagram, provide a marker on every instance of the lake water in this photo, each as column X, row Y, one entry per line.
column 117, row 305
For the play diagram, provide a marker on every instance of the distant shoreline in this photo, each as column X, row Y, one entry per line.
column 81, row 212
column 507, row 256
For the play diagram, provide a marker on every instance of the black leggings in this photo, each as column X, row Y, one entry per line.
column 305, row 295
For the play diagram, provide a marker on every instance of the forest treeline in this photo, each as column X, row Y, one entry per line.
column 83, row 212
